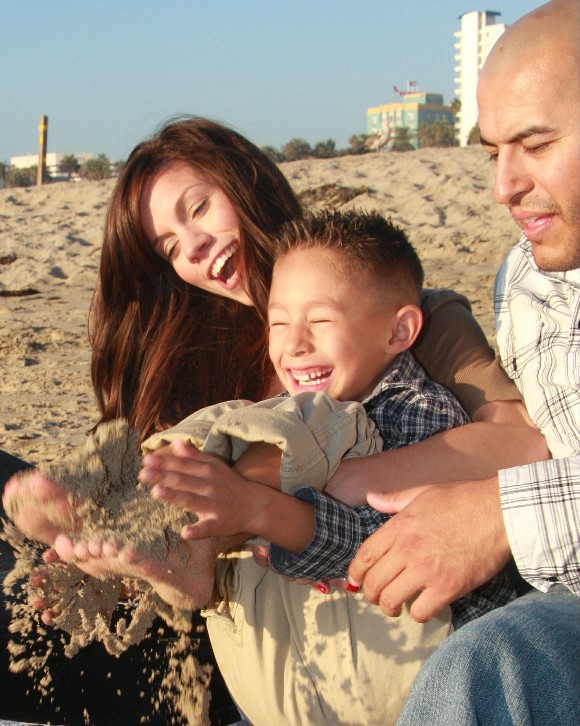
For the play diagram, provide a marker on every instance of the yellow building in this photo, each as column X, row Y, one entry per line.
column 414, row 108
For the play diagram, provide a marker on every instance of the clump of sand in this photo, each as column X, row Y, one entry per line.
column 101, row 478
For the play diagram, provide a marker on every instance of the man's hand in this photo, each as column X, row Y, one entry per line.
column 445, row 540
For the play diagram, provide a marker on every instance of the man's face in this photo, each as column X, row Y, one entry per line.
column 530, row 126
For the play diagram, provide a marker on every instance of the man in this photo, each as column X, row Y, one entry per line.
column 520, row 664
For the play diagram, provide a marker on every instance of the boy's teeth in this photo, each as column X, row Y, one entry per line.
column 312, row 378
column 221, row 261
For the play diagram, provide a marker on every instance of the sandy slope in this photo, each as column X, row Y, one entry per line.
column 50, row 243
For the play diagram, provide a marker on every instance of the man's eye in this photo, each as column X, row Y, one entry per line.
column 537, row 149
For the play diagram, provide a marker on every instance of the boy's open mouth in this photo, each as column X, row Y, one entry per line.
column 312, row 377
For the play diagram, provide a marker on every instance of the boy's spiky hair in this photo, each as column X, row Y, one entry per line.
column 362, row 241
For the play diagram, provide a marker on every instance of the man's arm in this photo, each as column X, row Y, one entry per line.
column 501, row 436
column 448, row 539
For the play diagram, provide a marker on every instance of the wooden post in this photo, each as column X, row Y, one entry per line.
column 42, row 136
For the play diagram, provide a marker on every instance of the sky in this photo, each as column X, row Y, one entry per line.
column 107, row 73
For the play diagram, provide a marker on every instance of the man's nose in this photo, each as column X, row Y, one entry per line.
column 511, row 176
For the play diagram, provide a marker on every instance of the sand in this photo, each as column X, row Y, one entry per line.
column 101, row 478
column 50, row 242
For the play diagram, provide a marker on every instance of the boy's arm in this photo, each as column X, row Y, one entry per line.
column 339, row 532
column 229, row 500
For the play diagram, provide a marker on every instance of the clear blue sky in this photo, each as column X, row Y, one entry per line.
column 108, row 72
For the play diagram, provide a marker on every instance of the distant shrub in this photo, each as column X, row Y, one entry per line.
column 14, row 177
column 94, row 169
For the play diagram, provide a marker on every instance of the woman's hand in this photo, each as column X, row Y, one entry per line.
column 40, row 508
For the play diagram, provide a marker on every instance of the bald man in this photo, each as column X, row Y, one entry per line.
column 521, row 664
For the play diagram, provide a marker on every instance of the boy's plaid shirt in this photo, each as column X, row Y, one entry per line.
column 407, row 407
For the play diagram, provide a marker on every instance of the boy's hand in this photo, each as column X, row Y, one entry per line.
column 224, row 501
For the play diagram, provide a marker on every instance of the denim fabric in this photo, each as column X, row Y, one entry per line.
column 516, row 666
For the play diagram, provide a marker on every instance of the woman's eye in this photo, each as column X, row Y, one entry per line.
column 200, row 209
column 170, row 248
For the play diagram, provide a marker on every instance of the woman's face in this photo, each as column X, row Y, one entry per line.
column 191, row 223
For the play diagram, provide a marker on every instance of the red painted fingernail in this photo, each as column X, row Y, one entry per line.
column 322, row 588
column 352, row 588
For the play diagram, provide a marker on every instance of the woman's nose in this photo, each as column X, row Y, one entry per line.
column 195, row 244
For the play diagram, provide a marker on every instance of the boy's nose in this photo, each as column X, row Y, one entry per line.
column 297, row 341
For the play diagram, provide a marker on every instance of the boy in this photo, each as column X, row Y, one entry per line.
column 343, row 313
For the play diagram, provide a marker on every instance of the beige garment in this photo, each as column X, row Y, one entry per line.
column 288, row 653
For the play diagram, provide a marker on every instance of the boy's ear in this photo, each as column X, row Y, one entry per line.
column 406, row 328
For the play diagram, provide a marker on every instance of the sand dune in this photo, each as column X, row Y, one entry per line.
column 49, row 254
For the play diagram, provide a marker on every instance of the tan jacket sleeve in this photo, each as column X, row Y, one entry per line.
column 313, row 431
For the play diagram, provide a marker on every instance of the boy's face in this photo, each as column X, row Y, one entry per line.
column 328, row 332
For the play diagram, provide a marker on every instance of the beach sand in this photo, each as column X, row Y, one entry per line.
column 50, row 243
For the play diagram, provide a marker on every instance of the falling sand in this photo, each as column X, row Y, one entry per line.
column 109, row 503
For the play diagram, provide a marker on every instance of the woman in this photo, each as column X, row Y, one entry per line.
column 177, row 317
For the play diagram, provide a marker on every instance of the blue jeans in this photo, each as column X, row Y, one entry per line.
column 516, row 666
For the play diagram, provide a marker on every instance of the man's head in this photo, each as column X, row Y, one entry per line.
column 343, row 302
column 529, row 117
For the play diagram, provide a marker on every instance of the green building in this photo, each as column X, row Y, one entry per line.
column 414, row 108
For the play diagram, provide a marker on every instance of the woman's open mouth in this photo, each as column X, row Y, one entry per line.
column 225, row 265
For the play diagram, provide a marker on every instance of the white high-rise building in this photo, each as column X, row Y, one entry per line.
column 478, row 33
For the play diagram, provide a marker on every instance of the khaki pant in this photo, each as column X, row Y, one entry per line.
column 288, row 653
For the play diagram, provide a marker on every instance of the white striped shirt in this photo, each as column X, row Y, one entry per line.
column 538, row 334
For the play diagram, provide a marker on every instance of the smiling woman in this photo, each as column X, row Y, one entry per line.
column 193, row 225
column 193, row 213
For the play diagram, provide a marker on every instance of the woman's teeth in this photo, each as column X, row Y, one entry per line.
column 218, row 266
column 311, row 379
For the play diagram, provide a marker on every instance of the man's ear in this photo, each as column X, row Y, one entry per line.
column 406, row 327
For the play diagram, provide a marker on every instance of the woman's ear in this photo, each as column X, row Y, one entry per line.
column 407, row 324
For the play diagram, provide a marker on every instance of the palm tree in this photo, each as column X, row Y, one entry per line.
column 69, row 164
column 402, row 140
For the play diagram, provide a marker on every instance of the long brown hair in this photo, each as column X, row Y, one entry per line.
column 162, row 348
